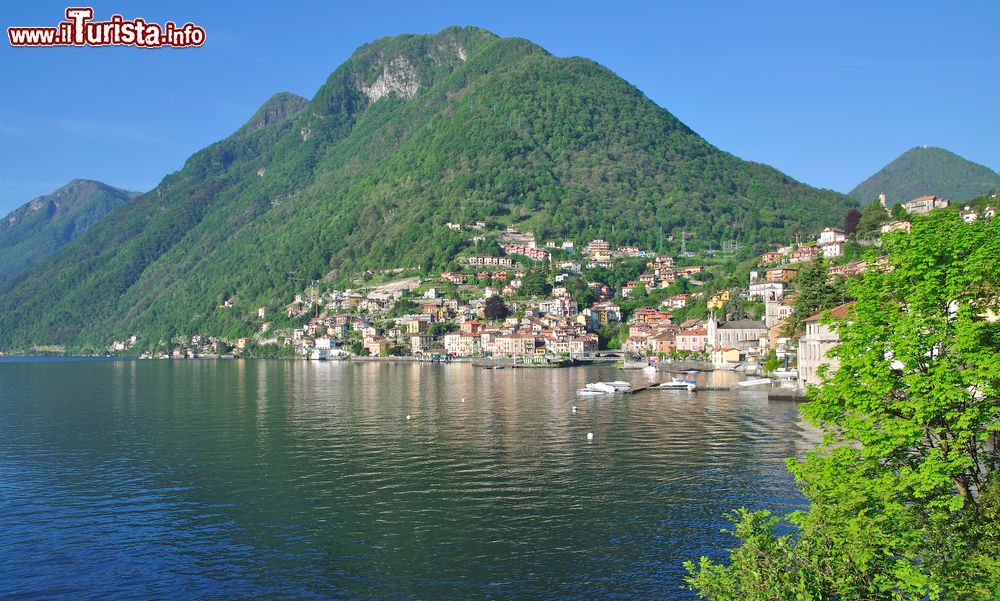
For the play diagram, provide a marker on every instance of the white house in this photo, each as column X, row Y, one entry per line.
column 832, row 250
column 816, row 344
column 830, row 235
column 765, row 290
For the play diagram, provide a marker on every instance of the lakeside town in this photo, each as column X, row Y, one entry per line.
column 521, row 302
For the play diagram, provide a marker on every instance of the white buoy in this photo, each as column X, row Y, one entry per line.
column 407, row 416
column 574, row 408
column 463, row 399
column 590, row 436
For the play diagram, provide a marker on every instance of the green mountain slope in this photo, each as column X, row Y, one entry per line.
column 411, row 132
column 924, row 170
column 43, row 225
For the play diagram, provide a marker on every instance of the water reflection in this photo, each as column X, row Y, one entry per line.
column 258, row 479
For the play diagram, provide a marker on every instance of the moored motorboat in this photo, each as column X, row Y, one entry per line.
column 609, row 387
column 785, row 373
column 619, row 384
column 601, row 387
column 679, row 384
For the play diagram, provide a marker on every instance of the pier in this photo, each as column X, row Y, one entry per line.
column 643, row 387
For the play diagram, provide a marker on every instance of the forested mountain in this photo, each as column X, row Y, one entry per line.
column 928, row 170
column 41, row 226
column 410, row 133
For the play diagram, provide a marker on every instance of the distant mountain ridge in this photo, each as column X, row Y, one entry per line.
column 410, row 133
column 928, row 170
column 44, row 224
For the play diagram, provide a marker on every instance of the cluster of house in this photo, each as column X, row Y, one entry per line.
column 829, row 245
column 553, row 326
column 925, row 204
column 661, row 273
column 514, row 242
column 184, row 347
column 726, row 343
column 532, row 253
column 557, row 326
column 600, row 254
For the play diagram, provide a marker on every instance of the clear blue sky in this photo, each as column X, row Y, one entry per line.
column 826, row 92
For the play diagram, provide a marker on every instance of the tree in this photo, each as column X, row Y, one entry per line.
column 535, row 283
column 898, row 212
column 624, row 271
column 872, row 218
column 494, row 308
column 772, row 362
column 736, row 307
column 580, row 291
column 851, row 221
column 403, row 306
column 816, row 292
column 440, row 329
column 904, row 498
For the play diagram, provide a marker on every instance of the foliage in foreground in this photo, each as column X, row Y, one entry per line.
column 904, row 500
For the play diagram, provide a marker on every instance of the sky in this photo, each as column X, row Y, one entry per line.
column 827, row 92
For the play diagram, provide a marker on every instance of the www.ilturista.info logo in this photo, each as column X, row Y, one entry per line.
column 79, row 29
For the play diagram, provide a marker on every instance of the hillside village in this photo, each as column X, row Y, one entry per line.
column 551, row 303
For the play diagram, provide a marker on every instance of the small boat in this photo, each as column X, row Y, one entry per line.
column 619, row 384
column 679, row 384
column 785, row 373
column 609, row 387
column 649, row 369
column 589, row 392
column 754, row 382
column 601, row 387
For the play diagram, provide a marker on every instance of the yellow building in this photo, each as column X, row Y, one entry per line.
column 719, row 300
column 724, row 356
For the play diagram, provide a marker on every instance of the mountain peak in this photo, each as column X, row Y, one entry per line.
column 277, row 108
column 402, row 66
column 928, row 170
column 44, row 224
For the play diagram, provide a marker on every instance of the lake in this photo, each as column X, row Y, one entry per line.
column 305, row 480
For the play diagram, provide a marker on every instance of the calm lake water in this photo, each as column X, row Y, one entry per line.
column 297, row 480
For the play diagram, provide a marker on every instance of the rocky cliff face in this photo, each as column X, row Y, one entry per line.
column 398, row 77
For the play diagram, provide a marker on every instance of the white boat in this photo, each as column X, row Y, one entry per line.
column 754, row 382
column 601, row 387
column 785, row 373
column 609, row 387
column 649, row 369
column 589, row 392
column 676, row 384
